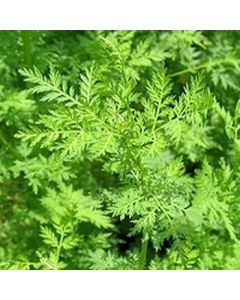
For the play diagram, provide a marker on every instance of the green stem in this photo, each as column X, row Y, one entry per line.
column 27, row 47
column 202, row 66
column 128, row 102
column 143, row 255
column 59, row 247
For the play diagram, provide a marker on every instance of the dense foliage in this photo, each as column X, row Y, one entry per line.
column 119, row 150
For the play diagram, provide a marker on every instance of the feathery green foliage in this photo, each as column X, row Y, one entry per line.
column 119, row 150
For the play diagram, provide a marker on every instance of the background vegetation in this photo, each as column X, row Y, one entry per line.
column 119, row 150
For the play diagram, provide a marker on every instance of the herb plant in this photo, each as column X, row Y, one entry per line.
column 119, row 150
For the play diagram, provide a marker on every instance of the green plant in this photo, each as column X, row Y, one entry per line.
column 122, row 152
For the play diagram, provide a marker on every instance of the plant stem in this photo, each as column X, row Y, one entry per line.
column 59, row 248
column 203, row 65
column 27, row 47
column 143, row 255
